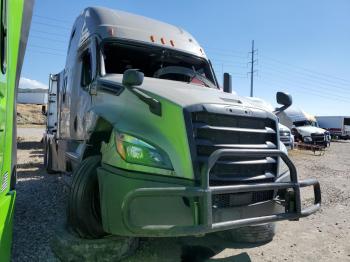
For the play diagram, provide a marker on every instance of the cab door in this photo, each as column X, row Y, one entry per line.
column 86, row 65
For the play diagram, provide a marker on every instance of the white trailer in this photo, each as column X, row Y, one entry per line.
column 35, row 98
column 337, row 125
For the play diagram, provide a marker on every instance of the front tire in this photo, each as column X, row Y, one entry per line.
column 252, row 234
column 84, row 212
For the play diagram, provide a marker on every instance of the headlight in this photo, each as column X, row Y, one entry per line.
column 282, row 168
column 137, row 151
column 307, row 139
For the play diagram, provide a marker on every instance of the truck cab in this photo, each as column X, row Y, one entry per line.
column 155, row 147
column 286, row 136
column 304, row 127
column 309, row 132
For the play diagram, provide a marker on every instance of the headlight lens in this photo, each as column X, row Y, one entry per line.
column 137, row 151
column 307, row 139
column 282, row 168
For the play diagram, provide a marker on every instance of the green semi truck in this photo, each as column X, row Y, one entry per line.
column 15, row 17
column 155, row 147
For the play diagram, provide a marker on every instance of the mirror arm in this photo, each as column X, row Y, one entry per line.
column 279, row 110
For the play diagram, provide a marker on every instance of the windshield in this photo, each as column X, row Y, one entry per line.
column 306, row 123
column 157, row 62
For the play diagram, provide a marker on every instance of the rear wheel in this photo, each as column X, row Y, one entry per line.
column 84, row 212
column 252, row 234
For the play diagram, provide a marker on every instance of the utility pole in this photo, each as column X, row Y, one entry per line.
column 252, row 70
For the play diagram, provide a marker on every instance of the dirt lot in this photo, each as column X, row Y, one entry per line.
column 30, row 115
column 325, row 236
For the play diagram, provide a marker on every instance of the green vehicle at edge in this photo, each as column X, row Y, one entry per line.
column 15, row 17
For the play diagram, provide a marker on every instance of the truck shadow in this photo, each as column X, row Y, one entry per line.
column 211, row 247
column 26, row 145
column 200, row 253
column 40, row 205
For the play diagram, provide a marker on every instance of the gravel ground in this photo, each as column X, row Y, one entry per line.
column 40, row 203
column 325, row 236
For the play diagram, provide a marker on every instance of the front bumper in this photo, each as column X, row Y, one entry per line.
column 199, row 216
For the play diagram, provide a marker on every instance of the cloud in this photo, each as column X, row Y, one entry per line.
column 26, row 83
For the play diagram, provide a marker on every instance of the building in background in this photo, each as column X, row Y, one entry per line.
column 32, row 96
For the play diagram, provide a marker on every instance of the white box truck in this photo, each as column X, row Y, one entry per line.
column 338, row 126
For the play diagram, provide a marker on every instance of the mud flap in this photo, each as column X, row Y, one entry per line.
column 7, row 204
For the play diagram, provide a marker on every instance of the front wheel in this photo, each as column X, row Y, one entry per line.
column 84, row 212
column 252, row 234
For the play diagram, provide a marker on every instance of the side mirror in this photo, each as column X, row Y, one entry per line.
column 283, row 99
column 227, row 83
column 132, row 77
column 93, row 88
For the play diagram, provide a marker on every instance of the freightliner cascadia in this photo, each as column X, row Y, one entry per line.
column 155, row 147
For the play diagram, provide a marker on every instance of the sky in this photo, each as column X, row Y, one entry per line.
column 302, row 47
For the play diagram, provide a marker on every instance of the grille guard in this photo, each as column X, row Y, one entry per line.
column 205, row 192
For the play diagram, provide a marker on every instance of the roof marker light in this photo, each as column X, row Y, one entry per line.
column 172, row 43
column 152, row 38
column 162, row 40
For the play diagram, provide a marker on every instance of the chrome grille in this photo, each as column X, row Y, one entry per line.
column 241, row 199
column 285, row 136
column 318, row 138
column 212, row 131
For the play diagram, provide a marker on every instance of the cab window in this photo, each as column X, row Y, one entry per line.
column 3, row 35
column 86, row 74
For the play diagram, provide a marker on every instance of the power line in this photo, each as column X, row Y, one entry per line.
column 311, row 80
column 306, row 90
column 49, row 39
column 44, row 52
column 316, row 94
column 218, row 53
column 306, row 75
column 51, row 18
column 325, row 92
column 51, row 25
column 312, row 72
column 50, row 33
column 44, row 47
column 219, row 62
column 224, row 50
column 304, row 70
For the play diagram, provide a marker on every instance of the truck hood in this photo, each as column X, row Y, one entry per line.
column 283, row 128
column 308, row 130
column 185, row 94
